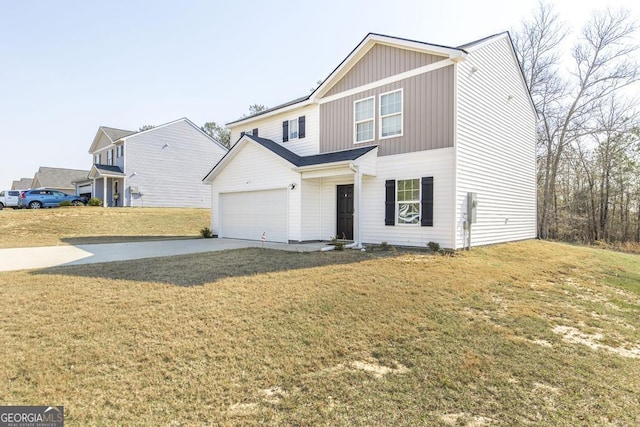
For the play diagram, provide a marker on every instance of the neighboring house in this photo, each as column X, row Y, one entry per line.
column 387, row 149
column 160, row 167
column 58, row 178
column 22, row 184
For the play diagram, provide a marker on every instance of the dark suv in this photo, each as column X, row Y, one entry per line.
column 47, row 198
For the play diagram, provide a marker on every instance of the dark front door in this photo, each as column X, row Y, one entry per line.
column 345, row 212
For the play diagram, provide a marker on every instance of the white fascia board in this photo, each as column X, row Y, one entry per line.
column 225, row 160
column 373, row 39
column 291, row 107
column 100, row 131
column 391, row 79
column 486, row 42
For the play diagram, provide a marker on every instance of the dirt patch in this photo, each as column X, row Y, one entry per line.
column 468, row 419
column 574, row 335
column 377, row 370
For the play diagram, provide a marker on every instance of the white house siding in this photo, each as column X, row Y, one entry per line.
column 495, row 147
column 271, row 128
column 436, row 163
column 311, row 224
column 167, row 165
column 254, row 168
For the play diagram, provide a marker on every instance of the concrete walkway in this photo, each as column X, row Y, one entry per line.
column 50, row 256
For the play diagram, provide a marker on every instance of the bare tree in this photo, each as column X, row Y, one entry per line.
column 566, row 104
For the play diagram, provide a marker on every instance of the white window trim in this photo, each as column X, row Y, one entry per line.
column 401, row 224
column 297, row 129
column 356, row 123
column 401, row 114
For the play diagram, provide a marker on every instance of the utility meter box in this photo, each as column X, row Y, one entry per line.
column 472, row 208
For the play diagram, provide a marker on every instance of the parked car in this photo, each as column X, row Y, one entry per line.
column 9, row 199
column 47, row 198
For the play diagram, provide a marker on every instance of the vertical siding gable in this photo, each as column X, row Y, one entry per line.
column 428, row 116
column 379, row 62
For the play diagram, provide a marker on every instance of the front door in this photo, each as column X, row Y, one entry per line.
column 345, row 212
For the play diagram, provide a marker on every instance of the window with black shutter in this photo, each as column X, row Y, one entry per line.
column 427, row 202
column 402, row 205
column 390, row 202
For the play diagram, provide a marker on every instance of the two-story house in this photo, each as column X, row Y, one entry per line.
column 405, row 142
column 159, row 167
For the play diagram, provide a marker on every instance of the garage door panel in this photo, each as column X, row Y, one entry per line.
column 249, row 214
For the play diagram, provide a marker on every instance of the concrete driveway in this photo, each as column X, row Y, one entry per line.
column 50, row 256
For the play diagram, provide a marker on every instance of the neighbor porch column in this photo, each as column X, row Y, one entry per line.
column 104, row 193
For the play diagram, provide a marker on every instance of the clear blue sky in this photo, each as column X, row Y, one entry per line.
column 68, row 67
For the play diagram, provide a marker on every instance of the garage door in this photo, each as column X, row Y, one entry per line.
column 248, row 214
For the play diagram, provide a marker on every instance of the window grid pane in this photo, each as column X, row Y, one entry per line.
column 364, row 110
column 392, row 125
column 293, row 129
column 408, row 196
column 391, row 114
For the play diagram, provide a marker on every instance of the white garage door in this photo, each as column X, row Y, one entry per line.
column 248, row 214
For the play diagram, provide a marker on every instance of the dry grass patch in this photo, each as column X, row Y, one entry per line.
column 85, row 225
column 337, row 338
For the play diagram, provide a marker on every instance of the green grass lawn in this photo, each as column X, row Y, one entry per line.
column 86, row 224
column 529, row 333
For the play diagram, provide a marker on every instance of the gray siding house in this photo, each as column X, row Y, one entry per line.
column 159, row 167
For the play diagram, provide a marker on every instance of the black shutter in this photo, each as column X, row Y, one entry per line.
column 254, row 132
column 427, row 202
column 285, row 131
column 390, row 202
column 301, row 127
column 242, row 134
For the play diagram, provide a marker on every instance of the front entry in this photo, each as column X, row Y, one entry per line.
column 345, row 212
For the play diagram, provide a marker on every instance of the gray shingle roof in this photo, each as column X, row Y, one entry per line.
column 58, row 177
column 22, row 184
column 115, row 134
column 316, row 159
column 109, row 168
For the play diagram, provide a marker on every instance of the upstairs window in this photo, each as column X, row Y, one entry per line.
column 391, row 114
column 120, row 151
column 364, row 122
column 97, row 159
column 293, row 129
column 109, row 157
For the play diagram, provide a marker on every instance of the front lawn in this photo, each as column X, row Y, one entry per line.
column 525, row 333
column 86, row 224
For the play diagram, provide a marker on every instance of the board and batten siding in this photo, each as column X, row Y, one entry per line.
column 254, row 168
column 271, row 128
column 428, row 116
column 167, row 164
column 379, row 62
column 495, row 147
